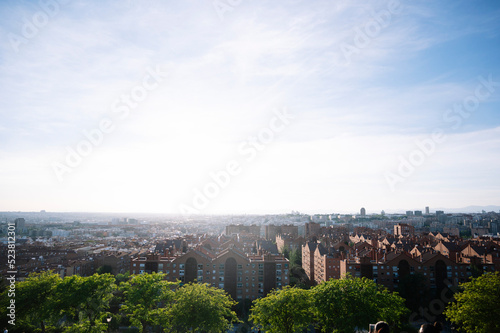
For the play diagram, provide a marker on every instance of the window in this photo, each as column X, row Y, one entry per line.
column 221, row 278
column 240, row 266
column 239, row 285
column 221, row 266
column 160, row 266
column 221, row 285
column 200, row 266
column 278, row 266
column 181, row 266
column 181, row 272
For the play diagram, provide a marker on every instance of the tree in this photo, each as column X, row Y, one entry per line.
column 105, row 269
column 342, row 305
column 477, row 307
column 286, row 252
column 296, row 257
column 200, row 307
column 35, row 301
column 287, row 310
column 84, row 301
column 145, row 298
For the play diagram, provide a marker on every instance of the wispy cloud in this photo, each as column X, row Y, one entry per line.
column 224, row 76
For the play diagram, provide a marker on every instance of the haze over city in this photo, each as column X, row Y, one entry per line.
column 218, row 107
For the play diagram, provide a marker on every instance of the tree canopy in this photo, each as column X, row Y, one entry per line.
column 85, row 301
column 200, row 307
column 35, row 299
column 145, row 298
column 287, row 310
column 342, row 305
column 477, row 307
column 47, row 302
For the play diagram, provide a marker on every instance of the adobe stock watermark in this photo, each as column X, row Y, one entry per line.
column 12, row 271
column 223, row 6
column 454, row 116
column 248, row 150
column 120, row 108
column 31, row 27
column 363, row 36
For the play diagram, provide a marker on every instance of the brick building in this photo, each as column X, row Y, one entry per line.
column 439, row 270
column 241, row 276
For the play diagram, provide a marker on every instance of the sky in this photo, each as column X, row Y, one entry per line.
column 254, row 107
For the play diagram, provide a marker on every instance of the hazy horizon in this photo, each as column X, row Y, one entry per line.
column 242, row 106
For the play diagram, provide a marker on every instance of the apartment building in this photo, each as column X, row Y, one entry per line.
column 242, row 276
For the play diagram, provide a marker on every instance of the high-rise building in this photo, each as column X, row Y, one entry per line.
column 363, row 211
column 20, row 225
column 427, row 210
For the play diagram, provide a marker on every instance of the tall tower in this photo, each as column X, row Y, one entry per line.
column 363, row 211
column 427, row 210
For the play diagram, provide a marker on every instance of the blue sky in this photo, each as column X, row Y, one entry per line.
column 364, row 83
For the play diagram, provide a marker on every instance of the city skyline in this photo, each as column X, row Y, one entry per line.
column 242, row 107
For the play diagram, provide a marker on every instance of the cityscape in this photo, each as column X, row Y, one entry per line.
column 249, row 256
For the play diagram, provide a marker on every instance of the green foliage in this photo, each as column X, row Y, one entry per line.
column 35, row 298
column 199, row 307
column 104, row 269
column 287, row 310
column 477, row 306
column 145, row 297
column 84, row 300
column 342, row 305
column 296, row 257
column 286, row 252
column 119, row 278
column 299, row 278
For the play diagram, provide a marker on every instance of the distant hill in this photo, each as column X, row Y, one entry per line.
column 472, row 209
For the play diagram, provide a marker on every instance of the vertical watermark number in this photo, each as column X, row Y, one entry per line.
column 11, row 272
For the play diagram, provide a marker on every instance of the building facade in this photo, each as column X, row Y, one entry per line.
column 240, row 275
